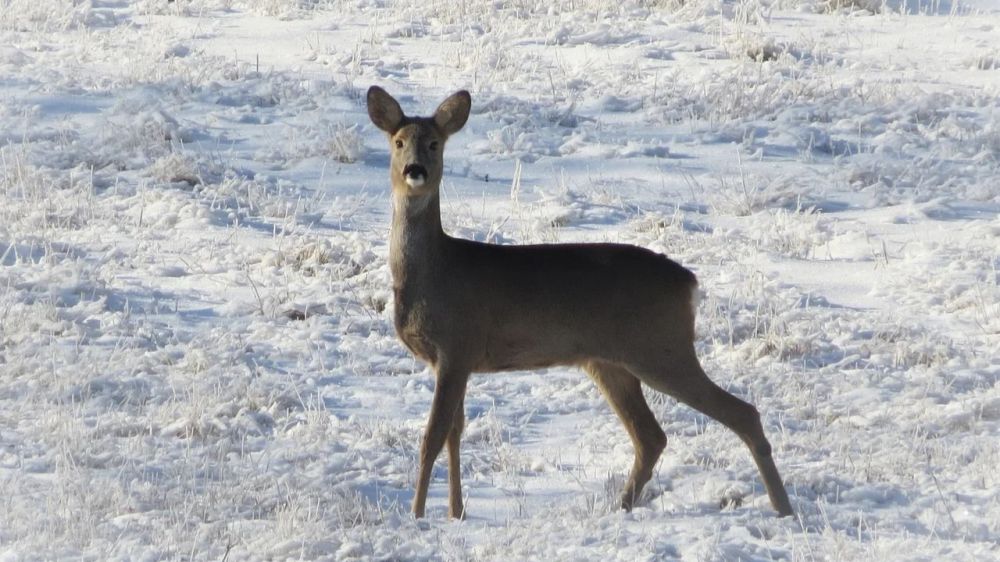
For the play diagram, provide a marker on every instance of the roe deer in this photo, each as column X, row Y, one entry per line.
column 622, row 313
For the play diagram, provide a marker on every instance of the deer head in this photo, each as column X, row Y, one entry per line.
column 417, row 143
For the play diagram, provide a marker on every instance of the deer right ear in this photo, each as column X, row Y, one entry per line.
column 384, row 110
column 453, row 112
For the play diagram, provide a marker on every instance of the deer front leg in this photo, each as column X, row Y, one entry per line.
column 449, row 393
column 455, row 508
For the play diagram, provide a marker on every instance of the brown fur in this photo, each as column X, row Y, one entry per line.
column 622, row 313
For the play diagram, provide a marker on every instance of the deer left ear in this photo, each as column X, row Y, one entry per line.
column 384, row 110
column 453, row 112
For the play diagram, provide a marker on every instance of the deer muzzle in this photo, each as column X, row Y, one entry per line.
column 415, row 175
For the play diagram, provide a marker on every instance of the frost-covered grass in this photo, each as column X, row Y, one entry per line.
column 197, row 358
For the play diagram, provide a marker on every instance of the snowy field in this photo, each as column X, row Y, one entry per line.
column 197, row 357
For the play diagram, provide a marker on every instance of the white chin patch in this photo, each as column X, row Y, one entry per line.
column 414, row 182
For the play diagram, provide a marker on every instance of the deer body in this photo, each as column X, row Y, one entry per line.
column 622, row 313
column 540, row 311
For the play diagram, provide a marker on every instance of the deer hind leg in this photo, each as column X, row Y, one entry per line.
column 455, row 508
column 688, row 383
column 624, row 392
column 449, row 393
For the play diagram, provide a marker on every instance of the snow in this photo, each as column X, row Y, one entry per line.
column 197, row 356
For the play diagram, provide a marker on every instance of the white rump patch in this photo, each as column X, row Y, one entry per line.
column 695, row 298
column 414, row 182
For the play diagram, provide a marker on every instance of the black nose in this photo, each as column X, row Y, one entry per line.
column 415, row 171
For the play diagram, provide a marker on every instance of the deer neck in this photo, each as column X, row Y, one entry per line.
column 416, row 239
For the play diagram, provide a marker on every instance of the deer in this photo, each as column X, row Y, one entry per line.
column 624, row 314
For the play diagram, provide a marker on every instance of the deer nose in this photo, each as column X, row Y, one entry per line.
column 415, row 171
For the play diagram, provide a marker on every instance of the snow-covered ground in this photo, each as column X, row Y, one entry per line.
column 197, row 359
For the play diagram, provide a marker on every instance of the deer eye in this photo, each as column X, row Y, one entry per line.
column 433, row 145
column 399, row 144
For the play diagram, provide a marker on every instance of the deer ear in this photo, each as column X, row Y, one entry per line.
column 453, row 112
column 384, row 110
